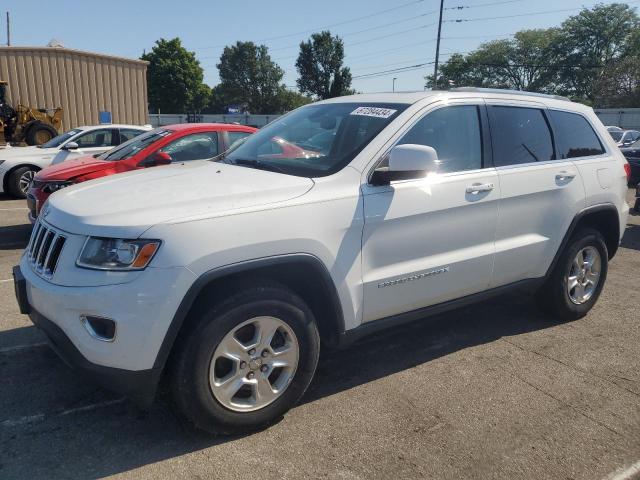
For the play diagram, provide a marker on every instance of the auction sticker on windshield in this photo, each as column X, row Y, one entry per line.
column 374, row 112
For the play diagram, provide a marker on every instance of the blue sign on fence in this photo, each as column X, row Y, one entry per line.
column 104, row 117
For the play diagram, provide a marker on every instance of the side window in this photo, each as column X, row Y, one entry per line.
column 127, row 134
column 96, row 138
column 576, row 137
column 197, row 146
column 520, row 135
column 455, row 133
column 235, row 137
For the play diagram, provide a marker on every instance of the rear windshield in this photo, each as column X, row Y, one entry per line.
column 617, row 136
column 136, row 144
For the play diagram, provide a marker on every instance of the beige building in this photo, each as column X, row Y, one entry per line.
column 82, row 83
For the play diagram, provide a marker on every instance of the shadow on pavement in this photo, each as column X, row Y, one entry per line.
column 13, row 237
column 631, row 238
column 117, row 438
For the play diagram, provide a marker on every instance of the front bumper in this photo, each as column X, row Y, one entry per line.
column 142, row 308
column 139, row 385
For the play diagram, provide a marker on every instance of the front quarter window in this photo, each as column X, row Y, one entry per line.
column 315, row 140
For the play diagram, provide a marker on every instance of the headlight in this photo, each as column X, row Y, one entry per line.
column 117, row 254
column 51, row 187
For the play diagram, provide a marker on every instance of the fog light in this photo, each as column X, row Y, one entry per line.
column 100, row 328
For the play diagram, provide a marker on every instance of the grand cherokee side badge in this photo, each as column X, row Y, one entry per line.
column 417, row 276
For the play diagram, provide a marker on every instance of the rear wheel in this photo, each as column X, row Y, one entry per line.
column 246, row 361
column 40, row 133
column 20, row 180
column 578, row 278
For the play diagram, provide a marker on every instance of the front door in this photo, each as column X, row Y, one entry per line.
column 89, row 143
column 430, row 240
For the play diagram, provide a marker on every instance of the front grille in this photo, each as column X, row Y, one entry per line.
column 44, row 249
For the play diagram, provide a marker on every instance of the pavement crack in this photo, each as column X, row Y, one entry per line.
column 573, row 367
column 567, row 404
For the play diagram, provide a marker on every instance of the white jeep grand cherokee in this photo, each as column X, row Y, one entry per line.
column 223, row 278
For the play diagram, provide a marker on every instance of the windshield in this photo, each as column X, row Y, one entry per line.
column 130, row 148
column 315, row 140
column 616, row 135
column 60, row 139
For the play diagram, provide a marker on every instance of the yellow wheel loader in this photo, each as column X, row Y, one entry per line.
column 33, row 126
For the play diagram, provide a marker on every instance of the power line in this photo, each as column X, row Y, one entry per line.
column 392, row 71
column 344, row 22
column 562, row 10
column 464, row 7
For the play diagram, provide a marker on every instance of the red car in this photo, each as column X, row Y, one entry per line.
column 171, row 143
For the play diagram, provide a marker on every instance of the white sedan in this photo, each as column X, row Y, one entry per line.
column 18, row 165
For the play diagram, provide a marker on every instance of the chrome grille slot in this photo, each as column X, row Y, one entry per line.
column 32, row 241
column 44, row 249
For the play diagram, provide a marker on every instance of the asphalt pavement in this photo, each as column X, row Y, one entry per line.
column 495, row 390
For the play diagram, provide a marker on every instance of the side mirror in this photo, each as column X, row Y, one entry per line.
column 70, row 146
column 407, row 162
column 158, row 158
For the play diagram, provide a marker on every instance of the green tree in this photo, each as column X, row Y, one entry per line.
column 619, row 86
column 320, row 67
column 591, row 42
column 174, row 78
column 290, row 100
column 249, row 77
column 519, row 63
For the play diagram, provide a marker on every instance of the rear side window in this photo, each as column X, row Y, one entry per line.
column 576, row 137
column 520, row 135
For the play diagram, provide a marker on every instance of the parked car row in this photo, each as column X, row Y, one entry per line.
column 161, row 146
column 19, row 165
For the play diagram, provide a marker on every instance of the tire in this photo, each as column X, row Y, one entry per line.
column 197, row 356
column 568, row 304
column 40, row 133
column 17, row 181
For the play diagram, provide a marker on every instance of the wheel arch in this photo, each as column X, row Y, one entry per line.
column 8, row 173
column 305, row 274
column 603, row 218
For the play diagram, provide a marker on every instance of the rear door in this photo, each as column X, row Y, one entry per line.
column 540, row 192
column 429, row 240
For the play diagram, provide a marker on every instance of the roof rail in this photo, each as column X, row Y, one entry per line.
column 510, row 92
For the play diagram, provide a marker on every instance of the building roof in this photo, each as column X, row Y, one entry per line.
column 64, row 50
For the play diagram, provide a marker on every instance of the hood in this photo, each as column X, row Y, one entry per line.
column 127, row 204
column 19, row 152
column 72, row 168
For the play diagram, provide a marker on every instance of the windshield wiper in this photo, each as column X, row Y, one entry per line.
column 258, row 164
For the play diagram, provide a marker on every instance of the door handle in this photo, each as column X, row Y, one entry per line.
column 564, row 176
column 476, row 188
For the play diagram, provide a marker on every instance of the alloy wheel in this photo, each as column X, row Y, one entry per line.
column 584, row 275
column 25, row 180
column 254, row 364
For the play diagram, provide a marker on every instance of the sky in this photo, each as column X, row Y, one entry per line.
column 379, row 35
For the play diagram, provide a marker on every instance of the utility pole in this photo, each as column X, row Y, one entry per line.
column 393, row 88
column 435, row 69
column 8, row 31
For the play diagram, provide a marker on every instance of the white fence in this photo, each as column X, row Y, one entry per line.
column 627, row 118
column 159, row 119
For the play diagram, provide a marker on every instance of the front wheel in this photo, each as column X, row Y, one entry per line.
column 578, row 278
column 20, row 181
column 246, row 361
